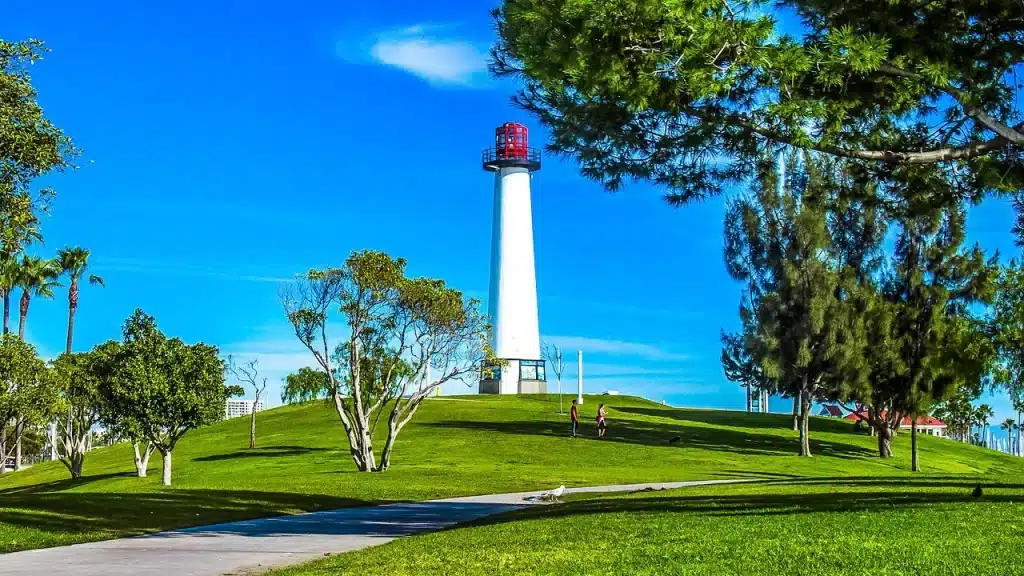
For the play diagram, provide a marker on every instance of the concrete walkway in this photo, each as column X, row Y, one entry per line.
column 254, row 546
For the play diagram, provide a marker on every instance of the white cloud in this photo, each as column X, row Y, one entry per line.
column 420, row 51
column 615, row 348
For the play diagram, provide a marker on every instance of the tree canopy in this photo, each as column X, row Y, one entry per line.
column 690, row 94
column 397, row 326
column 157, row 388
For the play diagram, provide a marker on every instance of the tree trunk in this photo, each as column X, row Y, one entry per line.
column 72, row 308
column 19, row 431
column 394, row 427
column 805, row 420
column 25, row 300
column 385, row 457
column 7, row 311
column 884, row 440
column 252, row 422
column 796, row 412
column 1018, row 442
column 914, row 465
column 3, row 448
column 354, row 447
column 142, row 460
column 166, row 478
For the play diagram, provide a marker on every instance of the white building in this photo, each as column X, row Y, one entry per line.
column 233, row 407
column 512, row 302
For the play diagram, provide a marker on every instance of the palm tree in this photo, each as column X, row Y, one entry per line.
column 1009, row 425
column 982, row 414
column 74, row 262
column 20, row 228
column 36, row 276
column 8, row 280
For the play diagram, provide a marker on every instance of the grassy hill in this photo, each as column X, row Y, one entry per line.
column 455, row 446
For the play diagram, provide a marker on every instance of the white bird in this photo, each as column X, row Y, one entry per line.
column 555, row 494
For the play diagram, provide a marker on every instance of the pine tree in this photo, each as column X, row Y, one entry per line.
column 810, row 333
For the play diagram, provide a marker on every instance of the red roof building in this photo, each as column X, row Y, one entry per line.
column 929, row 425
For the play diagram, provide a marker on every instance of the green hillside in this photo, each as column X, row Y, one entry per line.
column 455, row 446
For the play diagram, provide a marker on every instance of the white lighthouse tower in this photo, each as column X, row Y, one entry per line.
column 512, row 302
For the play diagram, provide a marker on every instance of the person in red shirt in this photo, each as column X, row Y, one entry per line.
column 574, row 414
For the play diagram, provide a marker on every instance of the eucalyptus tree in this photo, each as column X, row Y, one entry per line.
column 249, row 373
column 305, row 385
column 396, row 327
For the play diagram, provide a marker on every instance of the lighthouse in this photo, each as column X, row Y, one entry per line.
column 512, row 301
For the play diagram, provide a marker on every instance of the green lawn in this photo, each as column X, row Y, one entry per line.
column 455, row 446
column 866, row 525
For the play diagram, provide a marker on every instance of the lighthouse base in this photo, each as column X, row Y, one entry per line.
column 516, row 377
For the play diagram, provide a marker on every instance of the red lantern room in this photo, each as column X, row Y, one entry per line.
column 511, row 149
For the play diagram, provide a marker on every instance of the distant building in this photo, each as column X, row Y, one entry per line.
column 831, row 411
column 928, row 425
column 233, row 408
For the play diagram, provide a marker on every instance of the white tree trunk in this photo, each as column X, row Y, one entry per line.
column 166, row 479
column 142, row 460
column 19, row 430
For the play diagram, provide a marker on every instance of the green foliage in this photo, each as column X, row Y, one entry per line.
column 26, row 395
column 690, row 94
column 802, row 312
column 30, row 145
column 76, row 378
column 156, row 388
column 397, row 327
column 305, row 385
column 1007, row 327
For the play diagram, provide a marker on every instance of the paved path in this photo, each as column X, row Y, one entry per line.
column 257, row 545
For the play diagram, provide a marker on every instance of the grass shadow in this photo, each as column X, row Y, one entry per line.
column 63, row 484
column 68, row 514
column 739, row 419
column 770, row 504
column 262, row 452
column 662, row 434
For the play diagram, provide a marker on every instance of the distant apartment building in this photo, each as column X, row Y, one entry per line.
column 233, row 408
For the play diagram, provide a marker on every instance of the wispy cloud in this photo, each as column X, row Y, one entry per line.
column 179, row 269
column 429, row 52
column 616, row 347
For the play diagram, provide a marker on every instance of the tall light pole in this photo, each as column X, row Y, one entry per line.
column 579, row 376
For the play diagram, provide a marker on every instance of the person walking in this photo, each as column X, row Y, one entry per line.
column 601, row 425
column 575, row 415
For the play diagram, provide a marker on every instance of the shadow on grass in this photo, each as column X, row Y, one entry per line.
column 889, row 496
column 661, row 434
column 264, row 452
column 739, row 419
column 119, row 514
column 63, row 484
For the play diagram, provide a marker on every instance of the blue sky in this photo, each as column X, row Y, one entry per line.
column 230, row 145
